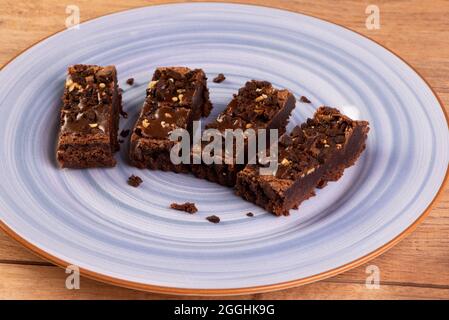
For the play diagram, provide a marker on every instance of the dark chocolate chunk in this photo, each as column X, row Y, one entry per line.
column 258, row 105
column 286, row 140
column 124, row 114
column 124, row 133
column 130, row 81
column 187, row 207
column 134, row 181
column 213, row 219
column 219, row 78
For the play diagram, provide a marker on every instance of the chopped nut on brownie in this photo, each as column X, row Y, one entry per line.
column 187, row 207
column 219, row 78
column 134, row 181
column 213, row 219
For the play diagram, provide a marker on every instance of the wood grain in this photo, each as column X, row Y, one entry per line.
column 417, row 268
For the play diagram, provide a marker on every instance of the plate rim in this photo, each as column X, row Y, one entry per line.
column 241, row 290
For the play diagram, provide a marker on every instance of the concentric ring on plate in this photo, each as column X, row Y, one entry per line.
column 129, row 236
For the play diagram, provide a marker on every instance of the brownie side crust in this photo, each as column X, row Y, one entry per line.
column 257, row 105
column 176, row 97
column 89, row 117
column 314, row 153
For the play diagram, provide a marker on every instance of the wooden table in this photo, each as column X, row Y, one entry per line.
column 418, row 267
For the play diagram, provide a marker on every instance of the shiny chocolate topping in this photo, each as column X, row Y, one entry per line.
column 87, row 99
column 171, row 95
column 163, row 121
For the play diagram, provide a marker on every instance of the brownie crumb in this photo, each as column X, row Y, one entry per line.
column 134, row 181
column 187, row 207
column 124, row 114
column 213, row 219
column 90, row 99
column 124, row 133
column 120, row 141
column 219, row 78
column 130, row 81
column 304, row 99
column 250, row 214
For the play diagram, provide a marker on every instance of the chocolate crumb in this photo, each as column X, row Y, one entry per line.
column 120, row 141
column 124, row 114
column 250, row 214
column 219, row 78
column 213, row 219
column 134, row 181
column 124, row 133
column 130, row 81
column 187, row 207
column 304, row 99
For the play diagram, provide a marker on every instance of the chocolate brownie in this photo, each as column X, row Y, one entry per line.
column 176, row 97
column 314, row 153
column 89, row 117
column 258, row 105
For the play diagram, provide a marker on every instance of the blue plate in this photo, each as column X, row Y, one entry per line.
column 129, row 236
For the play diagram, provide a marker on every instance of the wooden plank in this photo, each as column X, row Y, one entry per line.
column 12, row 252
column 42, row 282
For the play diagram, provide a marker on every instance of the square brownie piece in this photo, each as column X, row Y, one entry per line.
column 176, row 97
column 89, row 117
column 257, row 105
column 314, row 153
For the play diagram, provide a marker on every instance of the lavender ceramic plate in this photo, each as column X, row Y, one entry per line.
column 128, row 236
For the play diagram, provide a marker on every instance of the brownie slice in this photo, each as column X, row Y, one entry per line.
column 314, row 153
column 258, row 105
column 176, row 97
column 89, row 117
column 188, row 207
